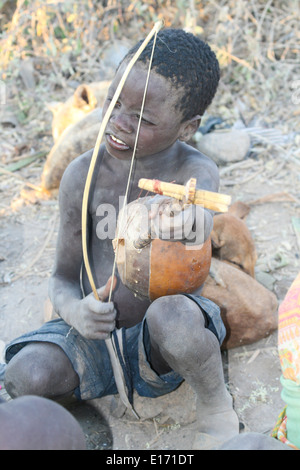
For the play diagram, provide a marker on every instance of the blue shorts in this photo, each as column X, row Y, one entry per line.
column 90, row 358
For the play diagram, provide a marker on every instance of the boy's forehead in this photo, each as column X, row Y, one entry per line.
column 139, row 73
column 158, row 84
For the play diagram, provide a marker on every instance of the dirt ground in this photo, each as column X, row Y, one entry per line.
column 267, row 179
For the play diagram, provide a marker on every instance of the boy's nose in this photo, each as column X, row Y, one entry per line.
column 122, row 122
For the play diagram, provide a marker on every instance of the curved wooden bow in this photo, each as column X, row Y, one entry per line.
column 118, row 372
column 158, row 25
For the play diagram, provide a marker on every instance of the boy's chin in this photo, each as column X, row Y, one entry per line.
column 119, row 155
column 124, row 155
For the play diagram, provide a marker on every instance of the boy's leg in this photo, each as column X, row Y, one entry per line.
column 180, row 340
column 40, row 369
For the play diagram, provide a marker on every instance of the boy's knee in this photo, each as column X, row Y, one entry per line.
column 23, row 375
column 174, row 315
column 39, row 369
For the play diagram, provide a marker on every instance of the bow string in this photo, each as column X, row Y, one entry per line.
column 117, row 369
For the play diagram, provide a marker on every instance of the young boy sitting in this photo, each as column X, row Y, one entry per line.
column 175, row 337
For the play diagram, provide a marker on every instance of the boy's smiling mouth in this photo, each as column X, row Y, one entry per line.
column 117, row 143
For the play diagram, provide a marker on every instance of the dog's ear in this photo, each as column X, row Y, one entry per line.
column 215, row 240
column 239, row 209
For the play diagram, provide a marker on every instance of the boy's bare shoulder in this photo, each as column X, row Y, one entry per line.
column 197, row 165
column 77, row 170
column 74, row 178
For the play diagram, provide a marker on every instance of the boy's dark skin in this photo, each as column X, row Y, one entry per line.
column 179, row 340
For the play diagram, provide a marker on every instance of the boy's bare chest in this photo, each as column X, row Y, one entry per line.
column 109, row 195
column 111, row 185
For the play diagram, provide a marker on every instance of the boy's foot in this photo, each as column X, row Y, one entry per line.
column 204, row 441
column 216, row 426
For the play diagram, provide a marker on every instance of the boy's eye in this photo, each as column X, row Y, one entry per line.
column 117, row 105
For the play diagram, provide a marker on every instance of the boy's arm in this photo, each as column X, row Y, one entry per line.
column 93, row 319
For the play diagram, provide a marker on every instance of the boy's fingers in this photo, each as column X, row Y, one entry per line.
column 103, row 292
column 167, row 206
column 172, row 208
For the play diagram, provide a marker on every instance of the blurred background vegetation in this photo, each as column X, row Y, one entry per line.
column 257, row 43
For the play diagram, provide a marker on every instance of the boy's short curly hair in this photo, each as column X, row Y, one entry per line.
column 189, row 63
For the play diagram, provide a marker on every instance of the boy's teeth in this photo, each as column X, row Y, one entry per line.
column 117, row 140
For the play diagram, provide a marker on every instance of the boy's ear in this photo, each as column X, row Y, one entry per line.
column 189, row 128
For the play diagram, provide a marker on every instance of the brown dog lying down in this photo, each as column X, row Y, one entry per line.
column 231, row 239
column 76, row 140
column 36, row 423
column 75, row 128
column 248, row 309
column 85, row 98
